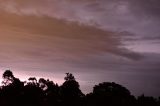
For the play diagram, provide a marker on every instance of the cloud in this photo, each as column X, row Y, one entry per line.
column 30, row 42
column 149, row 8
column 134, row 16
column 137, row 18
column 58, row 35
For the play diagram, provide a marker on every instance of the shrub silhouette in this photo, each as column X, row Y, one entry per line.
column 44, row 92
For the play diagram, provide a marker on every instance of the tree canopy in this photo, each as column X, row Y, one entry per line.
column 44, row 92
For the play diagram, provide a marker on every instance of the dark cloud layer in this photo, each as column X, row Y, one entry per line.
column 138, row 17
column 149, row 8
column 72, row 38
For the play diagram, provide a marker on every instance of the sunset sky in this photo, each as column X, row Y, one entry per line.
column 96, row 40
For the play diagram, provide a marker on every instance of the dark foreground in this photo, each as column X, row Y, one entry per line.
column 43, row 92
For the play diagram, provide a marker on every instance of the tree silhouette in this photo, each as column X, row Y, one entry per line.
column 8, row 74
column 69, row 77
column 71, row 90
column 71, row 87
column 43, row 84
column 46, row 93
column 8, row 77
column 146, row 101
column 32, row 81
column 11, row 89
column 33, row 94
column 110, row 93
column 111, row 88
column 51, row 90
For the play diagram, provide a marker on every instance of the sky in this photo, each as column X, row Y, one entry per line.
column 96, row 40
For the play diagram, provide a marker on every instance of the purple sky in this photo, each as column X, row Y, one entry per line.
column 96, row 40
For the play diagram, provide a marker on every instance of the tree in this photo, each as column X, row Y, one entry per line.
column 8, row 74
column 111, row 88
column 51, row 91
column 32, row 81
column 110, row 93
column 12, row 88
column 71, row 87
column 146, row 101
column 69, row 77
column 43, row 83
column 33, row 94
column 70, row 90
column 8, row 77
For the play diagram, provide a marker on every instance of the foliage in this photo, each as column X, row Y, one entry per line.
column 44, row 92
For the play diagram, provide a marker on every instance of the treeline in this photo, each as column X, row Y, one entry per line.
column 42, row 92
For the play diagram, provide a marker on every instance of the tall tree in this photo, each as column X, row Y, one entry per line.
column 71, row 90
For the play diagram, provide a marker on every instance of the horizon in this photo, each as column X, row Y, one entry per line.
column 60, row 82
